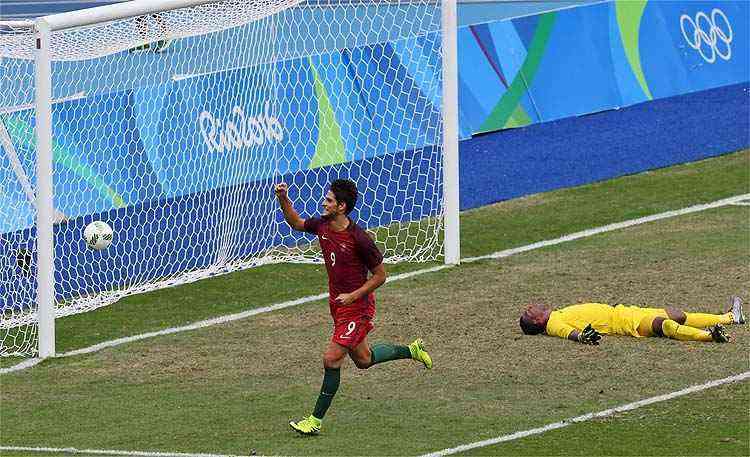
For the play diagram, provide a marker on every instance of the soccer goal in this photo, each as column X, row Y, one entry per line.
column 171, row 120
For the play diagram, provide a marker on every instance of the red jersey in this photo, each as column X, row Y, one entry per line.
column 349, row 255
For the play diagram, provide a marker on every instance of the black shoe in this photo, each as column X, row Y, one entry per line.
column 719, row 334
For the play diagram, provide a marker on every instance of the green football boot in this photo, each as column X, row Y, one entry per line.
column 419, row 354
column 310, row 425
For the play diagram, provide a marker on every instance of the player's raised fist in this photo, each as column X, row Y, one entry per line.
column 281, row 189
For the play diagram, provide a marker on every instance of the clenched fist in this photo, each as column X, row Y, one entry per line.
column 281, row 190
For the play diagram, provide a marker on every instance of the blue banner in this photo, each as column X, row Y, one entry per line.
column 595, row 58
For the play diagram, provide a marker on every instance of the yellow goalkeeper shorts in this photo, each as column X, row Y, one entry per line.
column 634, row 320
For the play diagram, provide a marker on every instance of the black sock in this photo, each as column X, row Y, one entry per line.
column 331, row 381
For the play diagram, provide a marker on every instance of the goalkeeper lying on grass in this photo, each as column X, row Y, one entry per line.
column 587, row 322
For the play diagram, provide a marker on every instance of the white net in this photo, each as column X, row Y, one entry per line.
column 18, row 333
column 176, row 144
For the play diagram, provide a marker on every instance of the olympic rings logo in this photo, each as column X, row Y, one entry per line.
column 719, row 30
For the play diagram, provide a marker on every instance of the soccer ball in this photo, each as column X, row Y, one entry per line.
column 98, row 235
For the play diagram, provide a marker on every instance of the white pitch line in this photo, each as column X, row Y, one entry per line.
column 311, row 298
column 444, row 452
column 28, row 363
column 195, row 325
column 589, row 416
column 111, row 452
column 206, row 323
column 611, row 227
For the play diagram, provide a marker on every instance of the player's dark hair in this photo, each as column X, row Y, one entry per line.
column 528, row 327
column 345, row 191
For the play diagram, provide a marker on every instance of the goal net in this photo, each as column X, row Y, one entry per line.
column 172, row 127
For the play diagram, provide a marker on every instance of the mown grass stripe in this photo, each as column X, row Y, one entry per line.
column 610, row 227
column 311, row 298
column 586, row 417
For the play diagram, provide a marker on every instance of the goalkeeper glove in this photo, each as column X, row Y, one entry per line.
column 589, row 336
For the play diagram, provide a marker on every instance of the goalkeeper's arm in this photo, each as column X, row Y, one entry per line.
column 586, row 336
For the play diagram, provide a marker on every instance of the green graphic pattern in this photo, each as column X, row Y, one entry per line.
column 506, row 108
column 23, row 133
column 629, row 14
column 519, row 118
column 330, row 149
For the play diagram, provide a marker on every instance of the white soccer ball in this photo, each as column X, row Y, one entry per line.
column 98, row 235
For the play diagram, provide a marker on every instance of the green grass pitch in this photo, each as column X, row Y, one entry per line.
column 232, row 388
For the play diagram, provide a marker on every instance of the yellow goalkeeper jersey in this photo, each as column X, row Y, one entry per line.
column 606, row 319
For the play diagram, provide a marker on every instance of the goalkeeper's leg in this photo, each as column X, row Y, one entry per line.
column 734, row 315
column 704, row 320
column 697, row 320
column 660, row 326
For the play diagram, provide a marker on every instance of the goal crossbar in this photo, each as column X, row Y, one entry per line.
column 116, row 11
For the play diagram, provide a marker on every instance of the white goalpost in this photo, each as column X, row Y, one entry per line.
column 171, row 120
column 449, row 25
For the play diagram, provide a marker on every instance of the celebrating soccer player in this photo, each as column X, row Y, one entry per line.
column 585, row 323
column 349, row 253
